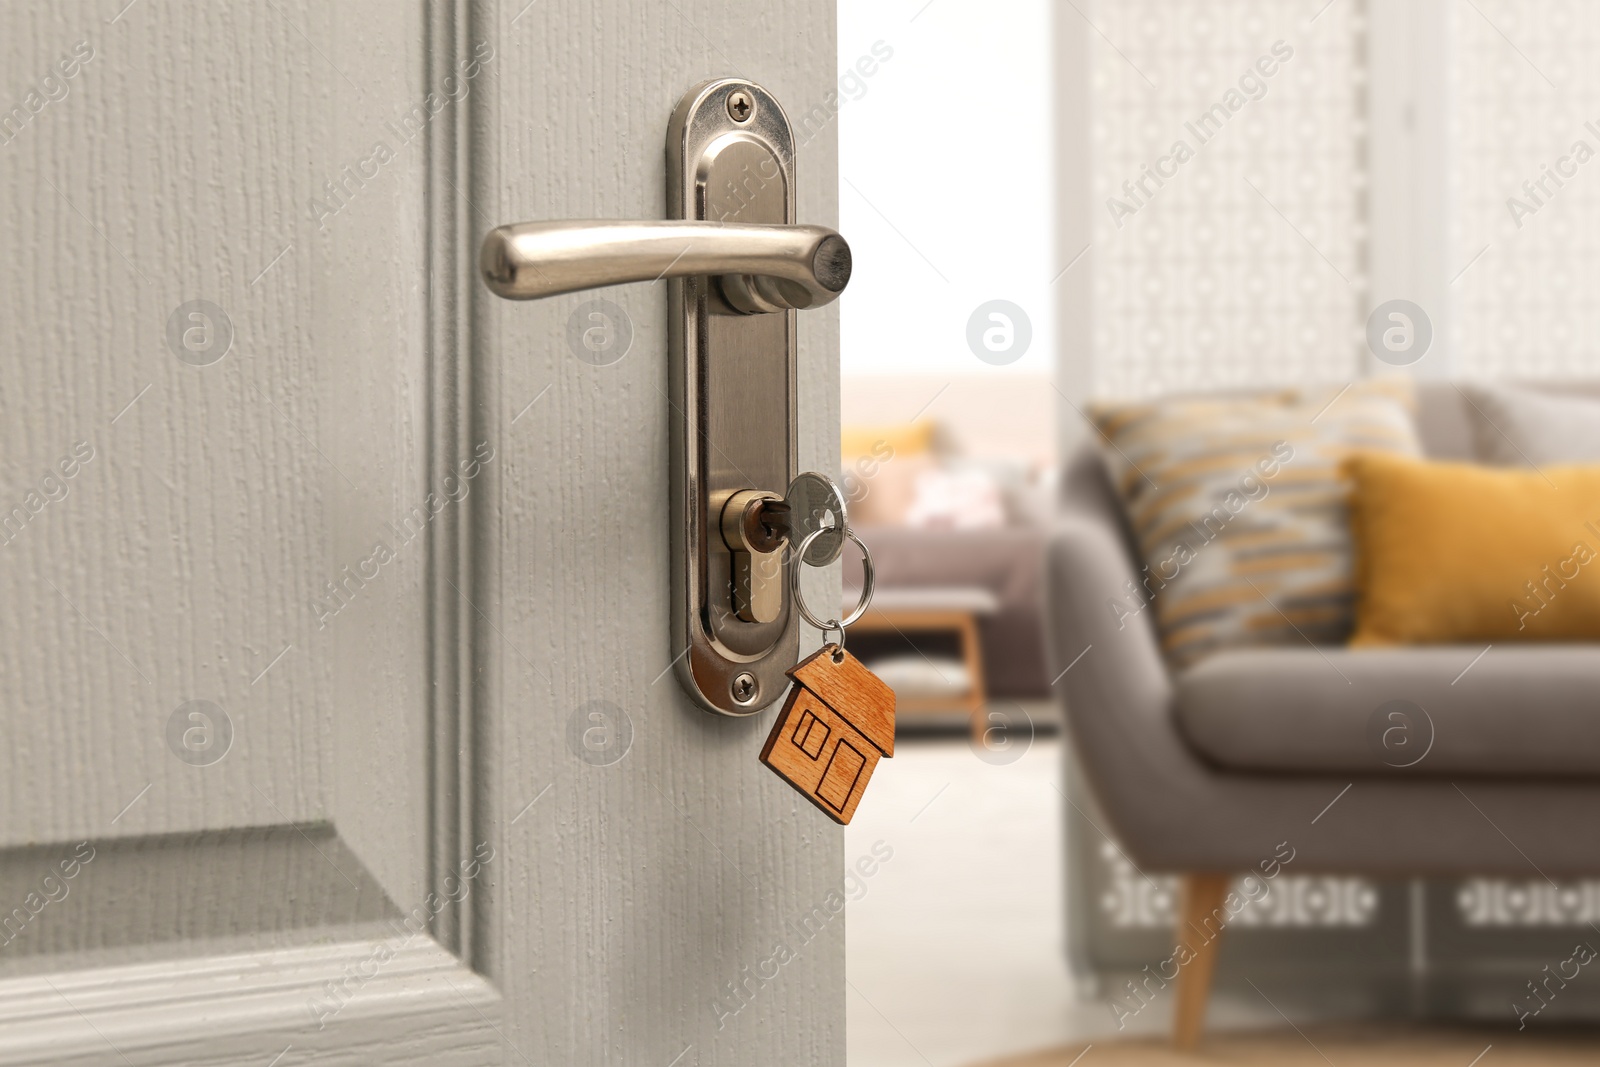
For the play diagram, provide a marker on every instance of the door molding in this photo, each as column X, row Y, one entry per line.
column 419, row 1006
column 453, row 428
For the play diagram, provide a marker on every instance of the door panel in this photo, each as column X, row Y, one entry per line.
column 647, row 909
column 391, row 650
column 176, row 497
column 187, row 557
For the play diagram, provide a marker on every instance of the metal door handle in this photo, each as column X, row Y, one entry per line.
column 737, row 268
column 764, row 268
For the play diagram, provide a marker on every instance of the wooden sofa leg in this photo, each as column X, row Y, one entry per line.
column 1202, row 898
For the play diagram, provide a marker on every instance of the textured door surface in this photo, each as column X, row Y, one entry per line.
column 220, row 502
column 334, row 655
column 665, row 896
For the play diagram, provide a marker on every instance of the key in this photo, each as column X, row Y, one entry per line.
column 758, row 527
column 816, row 503
column 836, row 723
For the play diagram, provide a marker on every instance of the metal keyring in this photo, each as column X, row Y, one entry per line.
column 866, row 584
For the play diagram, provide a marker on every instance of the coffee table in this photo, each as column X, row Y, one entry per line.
column 932, row 609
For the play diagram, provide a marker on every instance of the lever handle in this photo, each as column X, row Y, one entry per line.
column 764, row 268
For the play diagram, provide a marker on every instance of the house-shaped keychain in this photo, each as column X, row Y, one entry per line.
column 835, row 724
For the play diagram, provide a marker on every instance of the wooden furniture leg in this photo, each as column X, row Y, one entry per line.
column 977, row 695
column 1199, row 927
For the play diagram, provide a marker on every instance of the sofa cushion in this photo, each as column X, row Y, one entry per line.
column 1239, row 509
column 1521, row 427
column 1515, row 710
column 1460, row 553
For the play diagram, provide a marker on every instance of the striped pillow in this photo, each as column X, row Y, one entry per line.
column 1241, row 513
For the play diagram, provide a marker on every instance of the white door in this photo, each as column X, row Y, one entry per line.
column 318, row 561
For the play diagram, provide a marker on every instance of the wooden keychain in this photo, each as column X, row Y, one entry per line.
column 838, row 719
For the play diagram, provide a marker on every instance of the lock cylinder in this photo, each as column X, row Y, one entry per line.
column 755, row 529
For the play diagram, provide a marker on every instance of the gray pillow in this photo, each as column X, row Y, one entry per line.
column 1519, row 427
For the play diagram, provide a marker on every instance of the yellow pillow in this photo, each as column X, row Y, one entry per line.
column 881, row 467
column 1455, row 552
column 902, row 439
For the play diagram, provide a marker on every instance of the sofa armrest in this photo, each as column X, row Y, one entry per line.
column 1109, row 674
column 1102, row 630
column 1097, row 608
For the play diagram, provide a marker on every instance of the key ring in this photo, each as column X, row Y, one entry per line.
column 866, row 584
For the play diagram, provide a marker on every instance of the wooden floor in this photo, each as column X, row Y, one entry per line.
column 1319, row 1046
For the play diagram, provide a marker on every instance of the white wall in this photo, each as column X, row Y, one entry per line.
column 946, row 187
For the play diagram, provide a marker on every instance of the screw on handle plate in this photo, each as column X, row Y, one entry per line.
column 740, row 106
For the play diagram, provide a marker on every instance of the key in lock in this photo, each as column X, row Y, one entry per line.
column 759, row 526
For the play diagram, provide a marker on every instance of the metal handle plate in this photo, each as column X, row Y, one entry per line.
column 737, row 268
column 733, row 395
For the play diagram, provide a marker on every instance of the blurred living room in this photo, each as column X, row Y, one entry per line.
column 1218, row 399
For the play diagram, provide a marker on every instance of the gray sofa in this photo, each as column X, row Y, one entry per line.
column 1206, row 772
